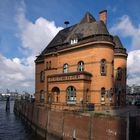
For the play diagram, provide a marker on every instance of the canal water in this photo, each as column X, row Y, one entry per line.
column 12, row 127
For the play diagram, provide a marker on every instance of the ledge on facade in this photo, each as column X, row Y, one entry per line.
column 70, row 74
column 120, row 50
column 50, row 69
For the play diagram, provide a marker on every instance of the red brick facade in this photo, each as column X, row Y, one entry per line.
column 81, row 67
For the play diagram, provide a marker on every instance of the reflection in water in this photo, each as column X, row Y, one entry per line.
column 12, row 127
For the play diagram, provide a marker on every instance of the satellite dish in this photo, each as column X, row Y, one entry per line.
column 66, row 23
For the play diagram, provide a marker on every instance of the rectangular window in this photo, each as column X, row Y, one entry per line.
column 103, row 67
column 47, row 65
column 103, row 70
column 50, row 65
column 103, row 91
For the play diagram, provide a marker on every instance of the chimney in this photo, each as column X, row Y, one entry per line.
column 103, row 16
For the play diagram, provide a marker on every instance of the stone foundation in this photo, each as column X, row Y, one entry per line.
column 68, row 125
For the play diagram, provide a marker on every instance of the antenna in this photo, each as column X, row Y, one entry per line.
column 66, row 23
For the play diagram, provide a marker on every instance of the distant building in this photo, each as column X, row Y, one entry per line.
column 12, row 95
column 83, row 64
column 132, row 93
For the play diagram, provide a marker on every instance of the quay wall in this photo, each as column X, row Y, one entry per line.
column 67, row 125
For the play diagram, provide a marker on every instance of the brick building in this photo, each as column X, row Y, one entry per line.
column 83, row 64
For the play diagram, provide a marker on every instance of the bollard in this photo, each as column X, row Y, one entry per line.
column 8, row 104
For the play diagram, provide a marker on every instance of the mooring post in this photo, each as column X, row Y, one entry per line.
column 8, row 104
column 127, row 127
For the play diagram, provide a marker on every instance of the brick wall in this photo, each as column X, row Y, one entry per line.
column 69, row 125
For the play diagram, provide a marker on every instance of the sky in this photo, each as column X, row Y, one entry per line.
column 27, row 26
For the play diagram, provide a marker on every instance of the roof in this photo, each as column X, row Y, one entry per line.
column 88, row 18
column 118, row 45
column 87, row 27
column 117, row 41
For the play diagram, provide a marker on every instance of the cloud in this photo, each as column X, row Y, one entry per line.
column 18, row 73
column 125, row 28
column 35, row 36
column 15, row 73
column 134, row 67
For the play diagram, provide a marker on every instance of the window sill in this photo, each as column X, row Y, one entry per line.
column 103, row 74
column 51, row 69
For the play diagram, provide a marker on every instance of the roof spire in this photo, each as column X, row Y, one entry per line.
column 88, row 18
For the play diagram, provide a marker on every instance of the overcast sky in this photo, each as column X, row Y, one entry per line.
column 27, row 26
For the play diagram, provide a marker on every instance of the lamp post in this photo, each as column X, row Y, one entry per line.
column 8, row 104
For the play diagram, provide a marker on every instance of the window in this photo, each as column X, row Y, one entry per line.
column 49, row 99
column 103, row 67
column 56, row 94
column 74, row 41
column 65, row 68
column 112, row 68
column 41, row 96
column 71, row 95
column 103, row 96
column 119, row 73
column 125, row 73
column 42, row 76
column 80, row 66
column 49, row 64
column 87, row 96
column 110, row 95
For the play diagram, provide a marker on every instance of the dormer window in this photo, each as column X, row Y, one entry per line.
column 74, row 41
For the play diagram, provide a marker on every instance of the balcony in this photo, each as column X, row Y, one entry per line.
column 73, row 76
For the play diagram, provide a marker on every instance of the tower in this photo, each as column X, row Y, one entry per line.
column 120, row 73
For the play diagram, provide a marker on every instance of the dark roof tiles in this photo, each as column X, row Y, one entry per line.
column 88, row 18
column 117, row 41
column 87, row 27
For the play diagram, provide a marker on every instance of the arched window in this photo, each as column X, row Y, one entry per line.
column 42, row 76
column 125, row 73
column 103, row 95
column 65, row 68
column 119, row 73
column 46, row 65
column 110, row 95
column 56, row 94
column 112, row 68
column 71, row 95
column 103, row 67
column 41, row 96
column 80, row 66
column 49, row 64
column 87, row 96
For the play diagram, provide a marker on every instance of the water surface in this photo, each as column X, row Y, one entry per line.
column 12, row 127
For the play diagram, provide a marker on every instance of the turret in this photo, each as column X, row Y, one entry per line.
column 120, row 64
